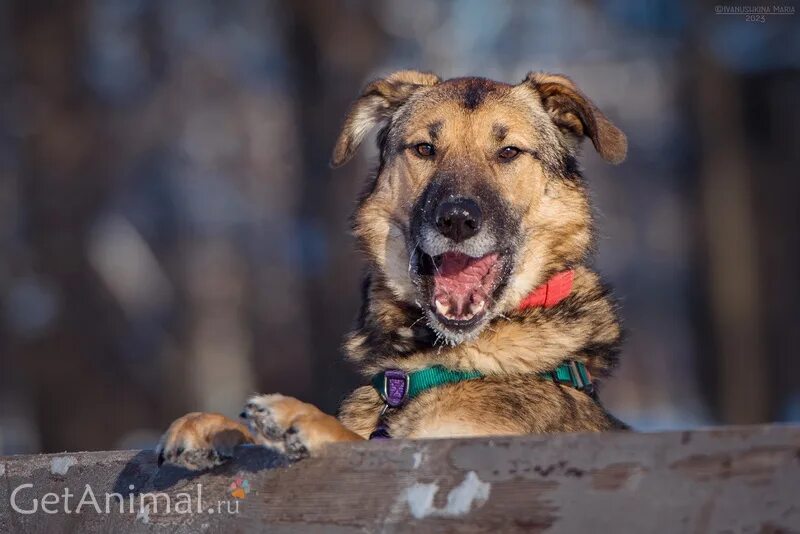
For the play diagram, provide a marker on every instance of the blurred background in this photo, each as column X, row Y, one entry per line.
column 172, row 239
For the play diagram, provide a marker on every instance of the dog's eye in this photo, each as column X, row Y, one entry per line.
column 508, row 153
column 425, row 149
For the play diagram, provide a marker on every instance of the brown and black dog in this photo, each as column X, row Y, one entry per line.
column 477, row 229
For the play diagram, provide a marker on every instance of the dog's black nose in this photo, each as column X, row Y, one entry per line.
column 459, row 219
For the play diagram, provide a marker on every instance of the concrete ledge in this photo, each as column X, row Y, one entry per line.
column 739, row 479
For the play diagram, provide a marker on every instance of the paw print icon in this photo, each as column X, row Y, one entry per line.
column 239, row 488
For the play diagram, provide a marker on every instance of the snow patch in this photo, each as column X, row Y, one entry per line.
column 471, row 490
column 61, row 464
column 144, row 514
column 417, row 459
column 420, row 499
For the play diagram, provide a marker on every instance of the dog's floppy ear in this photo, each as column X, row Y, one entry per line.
column 577, row 116
column 376, row 104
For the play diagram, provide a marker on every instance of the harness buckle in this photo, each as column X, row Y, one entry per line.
column 581, row 381
column 395, row 387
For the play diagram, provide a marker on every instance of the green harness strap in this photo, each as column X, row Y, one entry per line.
column 424, row 379
column 571, row 372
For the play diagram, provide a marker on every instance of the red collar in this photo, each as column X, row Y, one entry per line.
column 551, row 292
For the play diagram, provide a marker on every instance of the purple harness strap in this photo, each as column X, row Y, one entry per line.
column 381, row 431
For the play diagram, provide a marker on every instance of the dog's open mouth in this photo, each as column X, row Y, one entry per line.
column 463, row 287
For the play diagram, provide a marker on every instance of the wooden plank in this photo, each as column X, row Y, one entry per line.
column 739, row 479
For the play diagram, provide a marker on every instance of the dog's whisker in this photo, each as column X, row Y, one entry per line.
column 412, row 256
column 412, row 325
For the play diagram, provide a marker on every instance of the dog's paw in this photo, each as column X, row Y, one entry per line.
column 201, row 440
column 297, row 442
column 298, row 428
column 270, row 416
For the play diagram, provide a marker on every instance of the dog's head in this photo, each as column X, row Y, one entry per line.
column 477, row 198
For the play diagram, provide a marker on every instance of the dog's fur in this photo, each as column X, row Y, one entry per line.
column 511, row 148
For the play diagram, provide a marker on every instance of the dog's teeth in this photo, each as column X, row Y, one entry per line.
column 444, row 308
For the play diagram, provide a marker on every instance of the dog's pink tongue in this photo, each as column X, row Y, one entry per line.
column 461, row 284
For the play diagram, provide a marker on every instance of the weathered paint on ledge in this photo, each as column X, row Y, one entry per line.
column 740, row 479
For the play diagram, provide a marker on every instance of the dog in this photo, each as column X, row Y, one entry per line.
column 480, row 314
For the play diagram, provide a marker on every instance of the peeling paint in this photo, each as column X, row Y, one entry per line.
column 757, row 462
column 460, row 499
column 613, row 477
column 61, row 464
